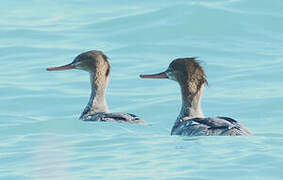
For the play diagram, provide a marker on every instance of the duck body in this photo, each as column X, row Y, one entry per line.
column 216, row 126
column 113, row 117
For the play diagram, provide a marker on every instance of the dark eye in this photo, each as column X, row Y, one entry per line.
column 77, row 60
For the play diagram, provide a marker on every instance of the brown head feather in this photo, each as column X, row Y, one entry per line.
column 93, row 61
column 189, row 73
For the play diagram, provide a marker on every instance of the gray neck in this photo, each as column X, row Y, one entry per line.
column 191, row 106
column 97, row 101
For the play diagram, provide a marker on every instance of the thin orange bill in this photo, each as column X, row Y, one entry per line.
column 162, row 75
column 61, row 68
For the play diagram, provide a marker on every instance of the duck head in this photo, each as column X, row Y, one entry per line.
column 186, row 71
column 94, row 62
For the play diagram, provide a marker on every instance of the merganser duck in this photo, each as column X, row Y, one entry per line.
column 191, row 121
column 97, row 64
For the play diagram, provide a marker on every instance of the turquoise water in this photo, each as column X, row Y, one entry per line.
column 239, row 41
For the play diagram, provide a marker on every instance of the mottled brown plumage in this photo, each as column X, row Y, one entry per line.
column 188, row 73
column 94, row 61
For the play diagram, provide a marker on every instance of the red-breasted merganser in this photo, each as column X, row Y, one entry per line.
column 97, row 64
column 191, row 121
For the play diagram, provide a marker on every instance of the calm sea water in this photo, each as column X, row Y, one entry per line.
column 239, row 41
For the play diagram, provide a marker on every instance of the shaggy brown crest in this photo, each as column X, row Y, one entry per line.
column 93, row 60
column 188, row 72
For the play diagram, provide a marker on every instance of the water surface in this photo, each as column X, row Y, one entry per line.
column 239, row 42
